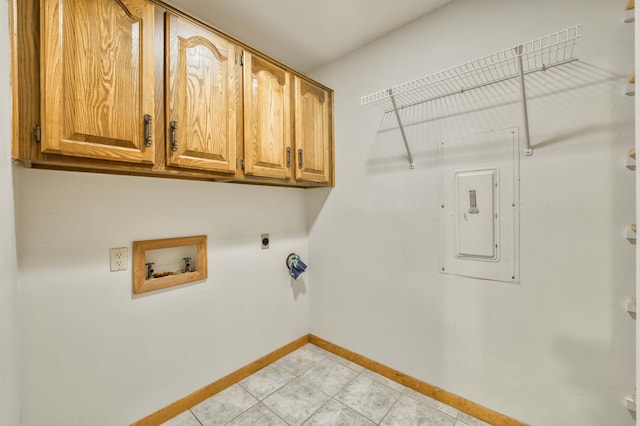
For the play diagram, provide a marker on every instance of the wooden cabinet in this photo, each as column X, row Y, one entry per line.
column 138, row 87
column 268, row 124
column 272, row 110
column 97, row 78
column 203, row 97
column 313, row 135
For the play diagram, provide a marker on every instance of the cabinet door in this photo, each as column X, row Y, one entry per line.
column 203, row 95
column 312, row 132
column 267, row 119
column 97, row 78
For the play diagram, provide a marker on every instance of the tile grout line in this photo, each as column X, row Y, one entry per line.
column 295, row 377
column 389, row 410
column 364, row 373
column 311, row 384
column 274, row 413
column 361, row 373
column 195, row 417
column 432, row 406
column 318, row 409
column 378, row 380
column 244, row 411
column 463, row 405
column 331, row 397
column 369, row 369
column 261, row 401
column 402, row 393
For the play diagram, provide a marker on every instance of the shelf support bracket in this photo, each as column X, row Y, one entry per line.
column 523, row 93
column 404, row 136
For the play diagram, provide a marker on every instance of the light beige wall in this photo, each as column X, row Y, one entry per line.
column 92, row 353
column 557, row 348
column 9, row 323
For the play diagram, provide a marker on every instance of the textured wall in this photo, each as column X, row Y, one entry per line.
column 556, row 349
column 95, row 354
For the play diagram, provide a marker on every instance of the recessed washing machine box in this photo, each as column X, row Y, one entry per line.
column 476, row 215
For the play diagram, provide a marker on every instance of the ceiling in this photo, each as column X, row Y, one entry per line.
column 306, row 34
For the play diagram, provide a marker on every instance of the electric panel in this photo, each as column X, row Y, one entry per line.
column 479, row 201
column 476, row 216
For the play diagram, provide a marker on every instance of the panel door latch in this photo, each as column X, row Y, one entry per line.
column 473, row 206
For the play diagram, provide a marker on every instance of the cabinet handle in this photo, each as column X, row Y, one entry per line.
column 174, row 137
column 147, row 130
column 300, row 158
column 288, row 157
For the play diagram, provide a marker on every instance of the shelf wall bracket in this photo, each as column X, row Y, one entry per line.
column 515, row 62
column 523, row 93
column 404, row 136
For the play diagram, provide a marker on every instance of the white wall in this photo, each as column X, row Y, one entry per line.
column 95, row 354
column 636, row 29
column 9, row 314
column 556, row 349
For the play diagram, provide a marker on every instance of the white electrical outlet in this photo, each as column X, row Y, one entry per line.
column 118, row 257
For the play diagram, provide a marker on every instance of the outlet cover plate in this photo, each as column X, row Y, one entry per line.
column 118, row 259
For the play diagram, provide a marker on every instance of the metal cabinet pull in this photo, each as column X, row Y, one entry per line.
column 300, row 158
column 174, row 137
column 37, row 133
column 288, row 157
column 147, row 130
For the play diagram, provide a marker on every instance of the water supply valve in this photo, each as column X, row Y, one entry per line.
column 150, row 271
column 296, row 265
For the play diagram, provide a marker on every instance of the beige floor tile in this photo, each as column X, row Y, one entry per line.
column 408, row 411
column 329, row 376
column 266, row 381
column 184, row 419
column 335, row 413
column 260, row 415
column 296, row 401
column 368, row 397
column 224, row 406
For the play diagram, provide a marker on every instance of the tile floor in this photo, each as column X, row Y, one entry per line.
column 311, row 386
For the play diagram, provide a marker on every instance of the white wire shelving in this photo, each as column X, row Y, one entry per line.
column 540, row 54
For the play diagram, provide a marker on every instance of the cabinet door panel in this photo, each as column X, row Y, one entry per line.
column 97, row 78
column 312, row 132
column 203, row 98
column 268, row 120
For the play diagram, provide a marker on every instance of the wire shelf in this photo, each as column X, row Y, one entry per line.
column 537, row 55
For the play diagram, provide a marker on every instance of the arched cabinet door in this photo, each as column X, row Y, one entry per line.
column 97, row 79
column 204, row 110
column 268, row 122
column 313, row 133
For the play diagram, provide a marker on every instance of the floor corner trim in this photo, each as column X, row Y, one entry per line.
column 189, row 401
column 469, row 407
